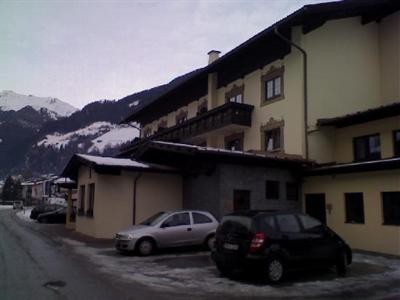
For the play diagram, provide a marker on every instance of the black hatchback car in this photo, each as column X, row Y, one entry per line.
column 276, row 242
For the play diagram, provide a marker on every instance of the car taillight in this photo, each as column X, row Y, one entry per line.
column 257, row 242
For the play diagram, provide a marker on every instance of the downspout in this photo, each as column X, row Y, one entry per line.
column 134, row 198
column 305, row 94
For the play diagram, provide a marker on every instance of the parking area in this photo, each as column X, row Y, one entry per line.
column 192, row 271
column 369, row 276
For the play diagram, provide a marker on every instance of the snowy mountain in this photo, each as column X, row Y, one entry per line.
column 98, row 137
column 54, row 107
column 32, row 141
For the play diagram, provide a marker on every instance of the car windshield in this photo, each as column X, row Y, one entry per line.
column 154, row 219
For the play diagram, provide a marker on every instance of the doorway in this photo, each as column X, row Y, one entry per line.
column 315, row 206
column 241, row 200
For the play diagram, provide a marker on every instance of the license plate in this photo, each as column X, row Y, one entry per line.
column 231, row 246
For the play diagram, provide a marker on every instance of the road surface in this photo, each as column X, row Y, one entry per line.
column 33, row 266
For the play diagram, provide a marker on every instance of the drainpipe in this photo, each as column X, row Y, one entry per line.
column 305, row 95
column 134, row 198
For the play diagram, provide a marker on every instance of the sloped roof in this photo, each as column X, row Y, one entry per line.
column 261, row 49
column 381, row 112
column 110, row 165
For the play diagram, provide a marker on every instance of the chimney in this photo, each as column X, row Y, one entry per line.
column 213, row 55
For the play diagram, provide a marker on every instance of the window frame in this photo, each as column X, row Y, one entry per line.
column 91, row 199
column 82, row 199
column 350, row 219
column 234, row 137
column 271, row 76
column 396, row 146
column 234, row 93
column 268, row 181
column 384, row 221
column 272, row 130
column 369, row 154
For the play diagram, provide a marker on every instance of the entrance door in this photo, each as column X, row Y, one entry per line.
column 315, row 206
column 241, row 200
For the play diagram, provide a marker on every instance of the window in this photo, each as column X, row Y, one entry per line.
column 202, row 108
column 181, row 219
column 396, row 142
column 200, row 218
column 181, row 117
column 272, row 85
column 234, row 142
column 309, row 223
column 367, row 148
column 273, row 139
column 265, row 223
column 354, row 204
column 91, row 200
column 235, row 94
column 288, row 223
column 391, row 208
column 82, row 191
column 272, row 189
column 292, row 191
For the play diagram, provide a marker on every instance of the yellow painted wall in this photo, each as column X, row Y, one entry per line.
column 371, row 236
column 113, row 205
column 343, row 145
column 389, row 41
column 351, row 67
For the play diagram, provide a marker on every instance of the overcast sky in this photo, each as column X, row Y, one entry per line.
column 82, row 51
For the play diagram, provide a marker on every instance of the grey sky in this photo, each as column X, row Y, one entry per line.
column 81, row 51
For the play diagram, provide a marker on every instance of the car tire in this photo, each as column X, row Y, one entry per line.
column 341, row 263
column 210, row 242
column 145, row 247
column 275, row 269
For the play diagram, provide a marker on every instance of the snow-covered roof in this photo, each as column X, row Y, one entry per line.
column 113, row 162
column 63, row 180
column 266, row 155
column 363, row 166
column 110, row 164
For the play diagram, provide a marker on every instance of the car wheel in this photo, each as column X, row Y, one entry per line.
column 275, row 270
column 210, row 242
column 145, row 247
column 341, row 263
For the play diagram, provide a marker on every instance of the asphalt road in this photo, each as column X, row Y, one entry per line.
column 33, row 266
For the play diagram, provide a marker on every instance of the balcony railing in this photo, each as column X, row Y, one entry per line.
column 230, row 113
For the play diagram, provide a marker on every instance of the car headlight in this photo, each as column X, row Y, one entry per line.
column 131, row 236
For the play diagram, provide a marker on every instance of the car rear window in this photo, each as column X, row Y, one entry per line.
column 199, row 218
column 242, row 220
column 309, row 223
column 288, row 223
column 265, row 223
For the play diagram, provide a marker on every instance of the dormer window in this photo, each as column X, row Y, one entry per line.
column 235, row 94
column 181, row 117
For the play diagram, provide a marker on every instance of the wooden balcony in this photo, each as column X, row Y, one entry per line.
column 228, row 114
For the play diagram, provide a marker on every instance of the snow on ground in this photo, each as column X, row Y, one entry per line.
column 104, row 135
column 2, row 207
column 205, row 278
column 116, row 136
column 25, row 213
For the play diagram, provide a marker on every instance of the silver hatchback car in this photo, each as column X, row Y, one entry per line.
column 169, row 229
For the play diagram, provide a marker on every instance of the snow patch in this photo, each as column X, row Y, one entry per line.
column 10, row 100
column 103, row 134
column 115, row 137
column 114, row 162
column 134, row 103
column 25, row 214
column 4, row 207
